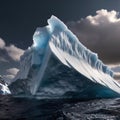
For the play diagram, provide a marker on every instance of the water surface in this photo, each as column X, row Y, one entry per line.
column 31, row 109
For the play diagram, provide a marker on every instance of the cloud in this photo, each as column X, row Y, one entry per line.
column 11, row 51
column 12, row 71
column 116, row 69
column 10, row 74
column 14, row 52
column 101, row 34
column 9, row 60
column 117, row 76
column 2, row 44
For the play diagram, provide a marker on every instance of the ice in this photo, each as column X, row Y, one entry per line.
column 57, row 65
column 4, row 90
column 41, row 38
column 76, row 46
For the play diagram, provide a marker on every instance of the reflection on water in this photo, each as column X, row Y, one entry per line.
column 31, row 109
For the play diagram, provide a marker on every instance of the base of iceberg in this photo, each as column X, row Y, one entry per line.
column 57, row 65
column 60, row 81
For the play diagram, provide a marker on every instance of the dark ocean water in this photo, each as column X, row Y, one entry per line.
column 31, row 109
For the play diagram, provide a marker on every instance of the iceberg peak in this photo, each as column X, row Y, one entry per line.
column 59, row 66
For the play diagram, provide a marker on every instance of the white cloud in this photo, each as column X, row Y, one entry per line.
column 9, row 60
column 103, row 17
column 116, row 70
column 100, row 33
column 2, row 43
column 14, row 52
column 12, row 71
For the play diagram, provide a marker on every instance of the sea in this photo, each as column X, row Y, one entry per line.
column 14, row 108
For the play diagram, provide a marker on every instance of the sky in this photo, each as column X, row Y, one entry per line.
column 95, row 22
column 19, row 18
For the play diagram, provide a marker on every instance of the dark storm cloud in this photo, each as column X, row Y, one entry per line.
column 9, row 60
column 101, row 34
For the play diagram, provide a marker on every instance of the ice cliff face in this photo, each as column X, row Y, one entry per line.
column 57, row 65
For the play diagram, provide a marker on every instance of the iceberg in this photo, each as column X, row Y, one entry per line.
column 57, row 65
column 4, row 90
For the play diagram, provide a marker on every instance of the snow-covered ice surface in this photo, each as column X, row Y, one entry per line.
column 57, row 65
column 4, row 90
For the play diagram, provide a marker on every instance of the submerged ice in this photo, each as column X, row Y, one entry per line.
column 57, row 65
